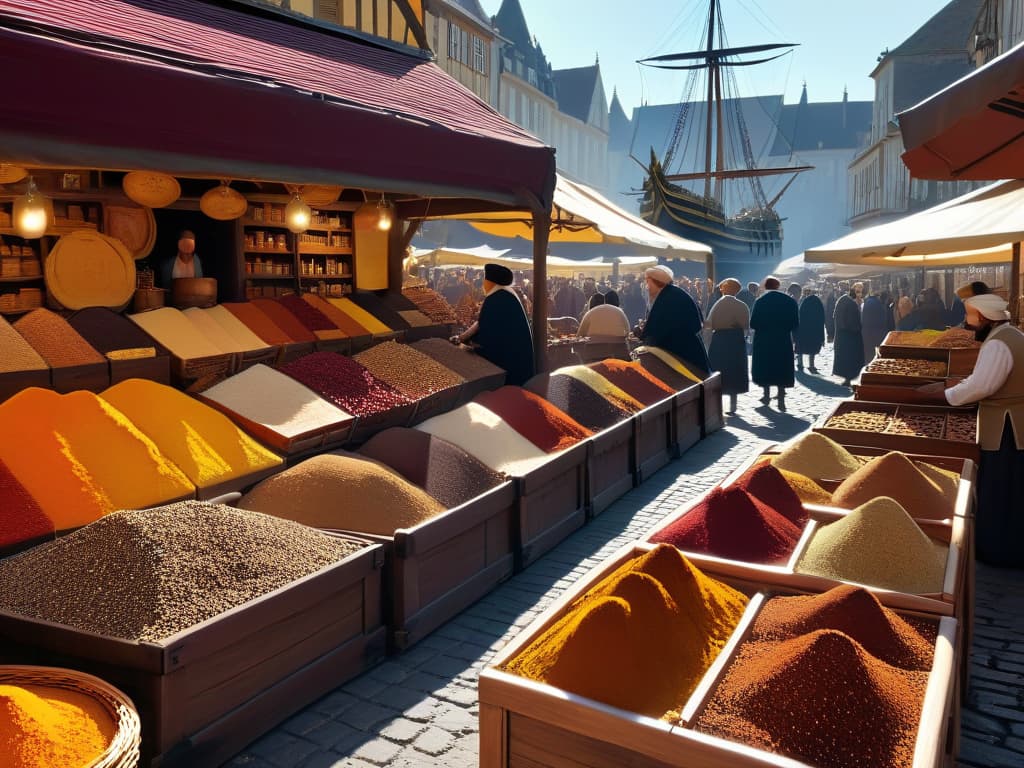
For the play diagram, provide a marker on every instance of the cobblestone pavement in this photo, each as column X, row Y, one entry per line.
column 420, row 708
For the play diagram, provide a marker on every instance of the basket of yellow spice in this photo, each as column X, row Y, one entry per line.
column 51, row 716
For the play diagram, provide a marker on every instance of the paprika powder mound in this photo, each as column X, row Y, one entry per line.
column 804, row 487
column 21, row 518
column 534, row 418
column 285, row 320
column 641, row 639
column 343, row 321
column 817, row 456
column 634, row 379
column 767, row 484
column 730, row 523
column 258, row 322
column 896, row 476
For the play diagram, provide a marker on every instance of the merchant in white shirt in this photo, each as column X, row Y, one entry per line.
column 997, row 386
column 606, row 327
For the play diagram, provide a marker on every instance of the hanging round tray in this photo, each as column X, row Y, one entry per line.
column 89, row 269
column 223, row 203
column 135, row 227
column 319, row 194
column 151, row 189
column 11, row 173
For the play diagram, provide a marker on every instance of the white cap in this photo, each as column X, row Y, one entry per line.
column 989, row 305
column 660, row 274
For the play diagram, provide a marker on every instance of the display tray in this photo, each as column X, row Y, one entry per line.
column 442, row 566
column 359, row 343
column 653, row 438
column 895, row 379
column 891, row 393
column 686, row 420
column 94, row 377
column 293, row 351
column 552, row 503
column 388, row 336
column 474, row 387
column 266, row 356
column 367, row 426
column 416, row 333
column 526, row 723
column 959, row 361
column 439, row 402
column 711, row 404
column 184, row 372
column 12, row 382
column 157, row 368
column 611, row 465
column 342, row 346
column 931, row 446
column 207, row 692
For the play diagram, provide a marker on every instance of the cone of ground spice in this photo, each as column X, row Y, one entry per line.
column 610, row 392
column 579, row 401
column 172, row 328
column 16, row 354
column 877, row 544
column 360, row 315
column 896, row 476
column 311, row 317
column 634, row 379
column 442, row 469
column 242, row 335
column 947, row 480
column 107, row 331
column 767, row 484
column 284, row 320
column 687, row 370
column 257, row 321
column 804, row 487
column 203, row 442
column 212, row 331
column 665, row 373
column 641, row 639
column 343, row 491
column 21, row 518
column 534, row 418
column 55, row 340
column 731, row 523
column 820, row 698
column 817, row 456
column 335, row 315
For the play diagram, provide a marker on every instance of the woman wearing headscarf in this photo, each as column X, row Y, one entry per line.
column 606, row 327
column 997, row 386
column 729, row 321
column 849, row 348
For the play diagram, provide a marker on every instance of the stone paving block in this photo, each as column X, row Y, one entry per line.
column 366, row 716
column 402, row 731
column 365, row 686
column 399, row 697
column 988, row 755
column 337, row 736
column 378, row 751
column 434, row 741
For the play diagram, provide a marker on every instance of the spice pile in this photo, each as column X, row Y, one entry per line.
column 534, row 418
column 409, row 371
column 344, row 382
column 146, row 575
column 916, row 424
column 16, row 354
column 201, row 441
column 820, row 673
column 660, row 370
column 690, row 373
column 343, row 491
column 955, row 338
column 731, row 523
column 311, row 318
column 45, row 726
column 341, row 320
column 257, row 321
column 468, row 365
column 21, row 518
column 375, row 306
column 896, row 476
column 769, row 486
column 172, row 328
column 808, row 491
column 603, row 386
column 578, row 400
column 212, row 331
column 55, row 340
column 815, row 455
column 109, row 333
column 634, row 379
column 907, row 367
column 285, row 320
column 432, row 304
column 860, row 421
column 960, row 427
column 877, row 544
column 442, row 469
column 641, row 639
column 360, row 315
column 242, row 336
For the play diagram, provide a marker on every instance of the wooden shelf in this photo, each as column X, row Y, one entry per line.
column 269, row 277
column 21, row 279
column 265, row 224
column 310, row 249
column 17, row 311
column 326, row 228
column 272, row 251
column 326, row 277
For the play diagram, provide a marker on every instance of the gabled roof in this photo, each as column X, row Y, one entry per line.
column 807, row 127
column 511, row 23
column 472, row 7
column 914, row 80
column 574, row 90
column 620, row 129
column 948, row 30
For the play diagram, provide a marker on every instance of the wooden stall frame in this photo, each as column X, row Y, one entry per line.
column 435, row 404
column 687, row 420
column 294, row 350
column 343, row 345
column 654, row 432
column 611, row 465
column 94, row 377
column 711, row 404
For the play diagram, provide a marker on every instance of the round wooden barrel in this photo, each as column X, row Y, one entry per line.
column 193, row 292
column 148, row 298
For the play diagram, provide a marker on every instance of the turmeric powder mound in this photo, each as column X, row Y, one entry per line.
column 360, row 315
column 203, row 442
column 641, row 639
column 80, row 458
column 42, row 727
column 686, row 370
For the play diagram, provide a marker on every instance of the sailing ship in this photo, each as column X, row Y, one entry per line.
column 691, row 203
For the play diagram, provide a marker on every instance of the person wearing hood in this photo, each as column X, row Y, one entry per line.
column 810, row 336
column 997, row 386
column 873, row 324
column 674, row 321
column 502, row 334
column 606, row 327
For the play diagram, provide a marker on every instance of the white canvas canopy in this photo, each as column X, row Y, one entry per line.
column 559, row 266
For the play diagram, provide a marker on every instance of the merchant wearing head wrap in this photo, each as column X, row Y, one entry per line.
column 774, row 319
column 502, row 333
column 674, row 320
column 729, row 321
column 997, row 386
column 185, row 264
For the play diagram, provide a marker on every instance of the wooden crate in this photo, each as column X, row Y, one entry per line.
column 435, row 404
column 157, row 368
column 654, row 433
column 687, row 420
column 552, row 503
column 442, row 566
column 12, row 382
column 293, row 351
column 526, row 723
column 207, row 692
column 427, row 332
column 94, row 377
column 184, row 372
column 359, row 343
column 890, row 393
column 342, row 346
column 711, row 404
column 930, row 446
column 959, row 362
column 367, row 426
column 474, row 387
column 266, row 356
column 611, row 465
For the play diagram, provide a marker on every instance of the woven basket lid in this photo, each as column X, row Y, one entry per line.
column 223, row 203
column 135, row 227
column 151, row 189
column 11, row 173
column 315, row 195
column 89, row 269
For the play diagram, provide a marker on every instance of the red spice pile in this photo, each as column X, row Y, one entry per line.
column 765, row 483
column 284, row 320
column 730, row 523
column 534, row 418
column 345, row 383
column 259, row 323
column 341, row 319
column 310, row 317
column 21, row 518
column 635, row 380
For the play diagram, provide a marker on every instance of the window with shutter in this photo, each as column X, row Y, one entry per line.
column 464, row 48
column 479, row 55
column 327, row 10
column 453, row 42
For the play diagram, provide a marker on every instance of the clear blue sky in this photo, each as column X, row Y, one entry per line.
column 839, row 41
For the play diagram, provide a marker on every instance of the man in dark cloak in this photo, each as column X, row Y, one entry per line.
column 830, row 310
column 873, row 325
column 849, row 350
column 675, row 321
column 774, row 319
column 810, row 336
column 502, row 334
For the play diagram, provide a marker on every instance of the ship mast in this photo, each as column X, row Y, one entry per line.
column 711, row 99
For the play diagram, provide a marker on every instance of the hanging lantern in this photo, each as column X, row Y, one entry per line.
column 297, row 215
column 33, row 213
column 385, row 215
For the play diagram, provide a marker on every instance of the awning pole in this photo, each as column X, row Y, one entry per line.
column 541, row 230
column 1015, row 284
column 709, row 267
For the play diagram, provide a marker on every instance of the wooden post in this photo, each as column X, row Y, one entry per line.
column 1015, row 285
column 709, row 267
column 396, row 252
column 541, row 231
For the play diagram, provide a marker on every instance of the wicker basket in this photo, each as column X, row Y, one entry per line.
column 123, row 751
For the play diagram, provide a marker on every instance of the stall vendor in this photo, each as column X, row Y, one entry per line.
column 997, row 385
column 674, row 322
column 185, row 264
column 502, row 333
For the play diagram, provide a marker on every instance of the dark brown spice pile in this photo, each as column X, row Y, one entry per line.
column 578, row 400
column 468, row 365
column 108, row 331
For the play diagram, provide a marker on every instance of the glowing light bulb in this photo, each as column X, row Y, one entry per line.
column 32, row 213
column 297, row 215
column 385, row 215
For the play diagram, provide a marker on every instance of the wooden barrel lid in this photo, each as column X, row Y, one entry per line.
column 223, row 203
column 151, row 189
column 133, row 226
column 89, row 269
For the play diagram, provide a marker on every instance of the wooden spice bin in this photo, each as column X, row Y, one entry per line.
column 342, row 346
column 474, row 387
column 358, row 343
column 442, row 566
column 367, row 426
column 94, row 377
column 293, row 350
column 552, row 503
column 527, row 723
column 611, row 465
column 186, row 371
column 265, row 356
column 210, row 690
column 711, row 404
column 236, row 484
column 434, row 404
column 12, row 382
column 687, row 420
column 654, row 432
column 890, row 393
column 156, row 368
column 960, row 361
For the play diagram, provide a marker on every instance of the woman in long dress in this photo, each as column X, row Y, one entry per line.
column 729, row 321
column 849, row 348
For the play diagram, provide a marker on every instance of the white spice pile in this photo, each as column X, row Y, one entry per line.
column 278, row 402
column 244, row 338
column 211, row 330
column 171, row 328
